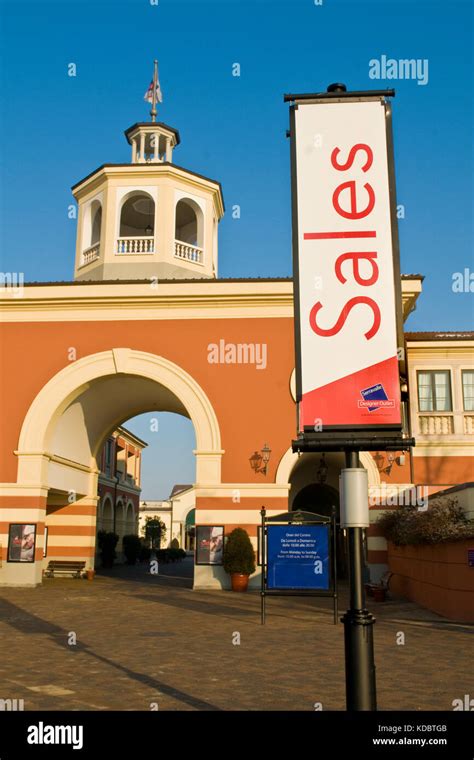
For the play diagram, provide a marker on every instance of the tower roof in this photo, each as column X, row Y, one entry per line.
column 152, row 124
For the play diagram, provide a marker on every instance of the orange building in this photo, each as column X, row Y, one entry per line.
column 146, row 325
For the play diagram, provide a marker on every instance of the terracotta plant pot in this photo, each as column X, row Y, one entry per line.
column 379, row 594
column 90, row 575
column 239, row 582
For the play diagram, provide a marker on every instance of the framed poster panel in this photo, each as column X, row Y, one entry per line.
column 21, row 542
column 209, row 544
column 299, row 557
column 259, row 545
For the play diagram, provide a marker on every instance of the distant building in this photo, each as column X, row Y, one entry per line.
column 120, row 484
column 177, row 513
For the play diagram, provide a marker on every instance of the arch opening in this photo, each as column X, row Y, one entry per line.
column 137, row 216
column 96, row 225
column 189, row 223
column 314, row 487
column 71, row 419
column 91, row 230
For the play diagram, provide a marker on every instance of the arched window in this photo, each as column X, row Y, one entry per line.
column 91, row 232
column 107, row 521
column 189, row 223
column 137, row 216
column 119, row 521
column 190, row 530
column 130, row 526
column 96, row 224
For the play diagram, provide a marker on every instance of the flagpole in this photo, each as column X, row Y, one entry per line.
column 155, row 80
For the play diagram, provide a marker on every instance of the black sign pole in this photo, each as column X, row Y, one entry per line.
column 358, row 624
column 334, row 561
column 262, row 560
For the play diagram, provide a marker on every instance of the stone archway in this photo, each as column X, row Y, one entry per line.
column 68, row 422
column 317, row 497
column 290, row 459
column 44, row 454
column 300, row 472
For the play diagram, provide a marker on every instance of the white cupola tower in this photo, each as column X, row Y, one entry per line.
column 147, row 219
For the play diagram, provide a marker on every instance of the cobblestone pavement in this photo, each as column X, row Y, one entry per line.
column 143, row 639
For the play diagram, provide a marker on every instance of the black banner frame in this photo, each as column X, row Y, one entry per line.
column 334, row 437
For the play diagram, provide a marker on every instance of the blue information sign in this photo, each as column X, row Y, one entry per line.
column 298, row 557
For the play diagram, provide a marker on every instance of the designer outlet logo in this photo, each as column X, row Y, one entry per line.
column 403, row 68
column 237, row 353
column 41, row 734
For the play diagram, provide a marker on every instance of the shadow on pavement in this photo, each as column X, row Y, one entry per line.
column 27, row 623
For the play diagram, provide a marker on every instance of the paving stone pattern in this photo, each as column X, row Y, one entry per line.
column 146, row 640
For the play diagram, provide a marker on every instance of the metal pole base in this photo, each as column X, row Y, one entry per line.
column 360, row 667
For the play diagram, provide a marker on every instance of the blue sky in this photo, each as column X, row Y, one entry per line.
column 168, row 458
column 55, row 129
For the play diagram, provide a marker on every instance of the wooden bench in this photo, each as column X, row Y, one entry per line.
column 65, row 567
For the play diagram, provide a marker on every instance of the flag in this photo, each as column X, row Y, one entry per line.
column 149, row 93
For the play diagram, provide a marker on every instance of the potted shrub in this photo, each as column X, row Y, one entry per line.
column 107, row 544
column 379, row 593
column 239, row 559
column 131, row 548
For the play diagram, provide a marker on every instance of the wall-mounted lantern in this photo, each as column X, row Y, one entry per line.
column 322, row 472
column 391, row 460
column 259, row 460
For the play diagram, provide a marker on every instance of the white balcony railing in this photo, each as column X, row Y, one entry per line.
column 138, row 245
column 188, row 252
column 469, row 424
column 90, row 254
column 436, row 424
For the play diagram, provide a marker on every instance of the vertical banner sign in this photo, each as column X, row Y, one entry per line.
column 347, row 288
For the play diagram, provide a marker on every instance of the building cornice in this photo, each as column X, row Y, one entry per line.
column 198, row 299
column 107, row 172
column 441, row 349
column 137, row 302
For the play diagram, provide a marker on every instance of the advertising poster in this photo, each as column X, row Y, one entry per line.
column 298, row 557
column 209, row 544
column 21, row 543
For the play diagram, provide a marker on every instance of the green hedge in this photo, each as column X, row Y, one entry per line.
column 443, row 521
column 170, row 555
